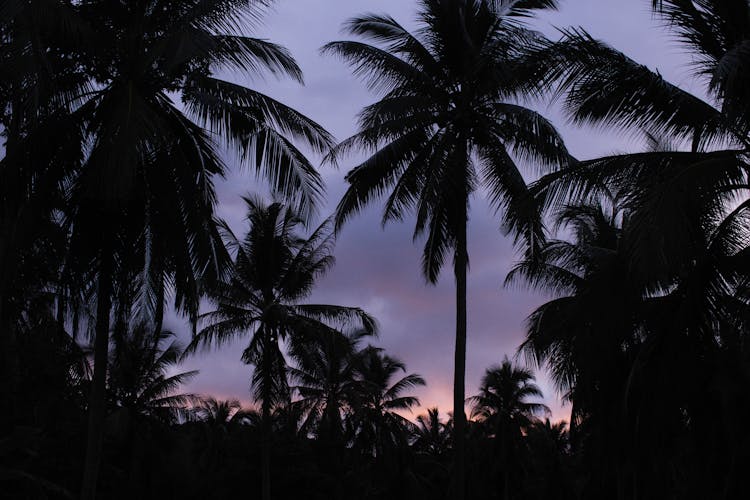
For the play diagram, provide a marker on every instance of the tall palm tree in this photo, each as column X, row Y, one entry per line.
column 448, row 123
column 144, row 196
column 504, row 407
column 275, row 268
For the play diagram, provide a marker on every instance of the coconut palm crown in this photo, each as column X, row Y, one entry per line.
column 275, row 269
column 448, row 123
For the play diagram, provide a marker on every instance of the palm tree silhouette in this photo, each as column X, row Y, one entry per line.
column 143, row 392
column 587, row 335
column 685, row 206
column 698, row 180
column 139, row 379
column 504, row 409
column 325, row 378
column 621, row 347
column 597, row 292
column 275, row 268
column 431, row 435
column 219, row 412
column 144, row 196
column 41, row 141
column 503, row 399
column 448, row 123
column 548, row 446
column 377, row 426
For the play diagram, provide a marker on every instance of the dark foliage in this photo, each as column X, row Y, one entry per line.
column 107, row 211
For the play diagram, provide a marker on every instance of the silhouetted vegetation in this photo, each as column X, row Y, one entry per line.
column 115, row 127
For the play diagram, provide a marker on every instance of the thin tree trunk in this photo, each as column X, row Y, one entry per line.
column 97, row 400
column 265, row 451
column 10, row 370
column 459, row 417
column 12, row 199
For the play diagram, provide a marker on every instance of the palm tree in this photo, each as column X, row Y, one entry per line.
column 627, row 351
column 325, row 378
column 684, row 207
column 504, row 408
column 377, row 426
column 503, row 398
column 219, row 412
column 548, row 448
column 448, row 123
column 40, row 142
column 588, row 334
column 143, row 392
column 706, row 166
column 144, row 196
column 219, row 421
column 431, row 435
column 597, row 291
column 275, row 267
column 139, row 379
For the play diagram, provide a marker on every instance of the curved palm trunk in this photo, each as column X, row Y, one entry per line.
column 459, row 396
column 97, row 400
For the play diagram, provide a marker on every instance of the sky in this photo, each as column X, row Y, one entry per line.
column 379, row 269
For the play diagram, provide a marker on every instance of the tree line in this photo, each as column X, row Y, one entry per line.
column 115, row 128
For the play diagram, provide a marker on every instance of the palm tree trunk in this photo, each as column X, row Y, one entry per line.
column 10, row 370
column 459, row 396
column 97, row 400
column 265, row 451
column 13, row 187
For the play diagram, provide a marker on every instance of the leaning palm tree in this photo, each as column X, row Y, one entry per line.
column 275, row 268
column 448, row 123
column 144, row 196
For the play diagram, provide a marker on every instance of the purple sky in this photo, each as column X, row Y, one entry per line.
column 380, row 270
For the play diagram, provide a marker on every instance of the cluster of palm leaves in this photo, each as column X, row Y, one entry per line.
column 646, row 333
column 116, row 124
column 113, row 121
